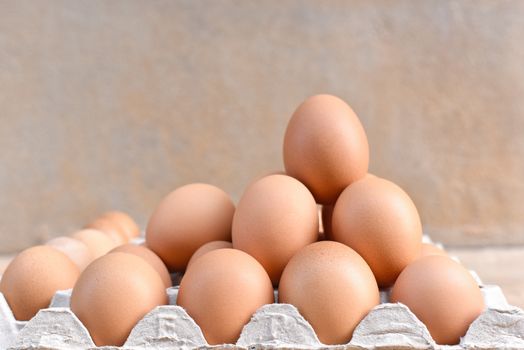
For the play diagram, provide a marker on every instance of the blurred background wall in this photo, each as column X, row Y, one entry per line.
column 112, row 104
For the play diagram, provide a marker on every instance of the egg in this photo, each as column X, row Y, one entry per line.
column 126, row 222
column 379, row 221
column 276, row 217
column 110, row 228
column 187, row 218
column 222, row 290
column 98, row 242
column 332, row 287
column 113, row 293
column 327, row 215
column 75, row 250
column 442, row 294
column 33, row 277
column 207, row 248
column 150, row 257
column 431, row 249
column 325, row 147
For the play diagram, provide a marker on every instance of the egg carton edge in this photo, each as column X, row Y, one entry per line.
column 275, row 326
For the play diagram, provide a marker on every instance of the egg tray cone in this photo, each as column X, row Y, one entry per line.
column 387, row 326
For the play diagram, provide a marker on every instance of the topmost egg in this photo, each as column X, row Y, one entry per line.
column 325, row 147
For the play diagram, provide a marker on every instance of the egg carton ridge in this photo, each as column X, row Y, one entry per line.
column 387, row 326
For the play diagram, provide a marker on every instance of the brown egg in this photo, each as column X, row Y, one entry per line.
column 431, row 249
column 98, row 242
column 113, row 293
column 332, row 287
column 379, row 221
column 327, row 214
column 75, row 250
column 149, row 256
column 33, row 277
column 222, row 290
column 207, row 248
column 110, row 228
column 126, row 222
column 276, row 217
column 442, row 294
column 325, row 147
column 187, row 218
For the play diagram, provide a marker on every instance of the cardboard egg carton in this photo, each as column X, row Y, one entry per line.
column 387, row 326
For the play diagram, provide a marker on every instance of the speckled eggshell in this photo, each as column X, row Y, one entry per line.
column 113, row 293
column 33, row 277
column 98, row 242
column 442, row 294
column 332, row 287
column 222, row 290
column 75, row 250
column 275, row 218
column 110, row 228
column 379, row 221
column 325, row 147
column 149, row 256
column 207, row 248
column 126, row 222
column 187, row 218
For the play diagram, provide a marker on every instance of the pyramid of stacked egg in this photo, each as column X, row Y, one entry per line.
column 233, row 259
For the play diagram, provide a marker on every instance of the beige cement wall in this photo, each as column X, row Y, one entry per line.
column 111, row 104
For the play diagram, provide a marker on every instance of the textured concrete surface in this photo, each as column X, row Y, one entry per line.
column 111, row 104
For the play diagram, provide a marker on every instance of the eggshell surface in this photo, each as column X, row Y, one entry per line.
column 222, row 290
column 98, row 242
column 75, row 250
column 442, row 294
column 276, row 217
column 113, row 293
column 379, row 221
column 110, row 228
column 33, row 277
column 207, row 248
column 125, row 221
column 187, row 218
column 149, row 256
column 332, row 287
column 325, row 147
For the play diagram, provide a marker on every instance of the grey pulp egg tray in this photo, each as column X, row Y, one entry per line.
column 387, row 326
